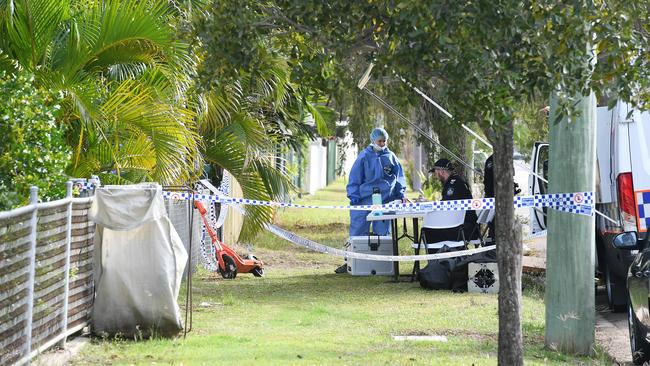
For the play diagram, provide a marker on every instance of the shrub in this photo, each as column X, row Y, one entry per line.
column 33, row 150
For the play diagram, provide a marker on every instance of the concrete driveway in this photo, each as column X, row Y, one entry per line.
column 612, row 332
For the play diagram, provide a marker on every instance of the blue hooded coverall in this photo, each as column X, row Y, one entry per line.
column 374, row 169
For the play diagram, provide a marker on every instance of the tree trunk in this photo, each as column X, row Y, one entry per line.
column 509, row 251
column 570, row 248
column 418, row 172
column 462, row 153
column 469, row 154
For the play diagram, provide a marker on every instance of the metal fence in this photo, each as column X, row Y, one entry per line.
column 46, row 271
column 180, row 214
column 46, row 275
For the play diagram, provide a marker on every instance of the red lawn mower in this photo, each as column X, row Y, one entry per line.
column 229, row 262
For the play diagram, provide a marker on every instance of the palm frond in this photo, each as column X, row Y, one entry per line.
column 276, row 181
column 169, row 127
column 136, row 153
column 82, row 93
column 123, row 71
column 7, row 63
column 119, row 32
column 317, row 112
column 249, row 130
column 88, row 164
column 219, row 107
column 227, row 151
column 31, row 27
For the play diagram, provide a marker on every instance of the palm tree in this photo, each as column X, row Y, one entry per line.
column 130, row 109
column 243, row 123
column 124, row 79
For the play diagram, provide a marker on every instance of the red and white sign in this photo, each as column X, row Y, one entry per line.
column 578, row 198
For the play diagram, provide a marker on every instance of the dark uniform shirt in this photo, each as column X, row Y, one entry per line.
column 488, row 177
column 488, row 186
column 456, row 188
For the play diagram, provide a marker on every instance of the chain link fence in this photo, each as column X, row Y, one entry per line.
column 180, row 213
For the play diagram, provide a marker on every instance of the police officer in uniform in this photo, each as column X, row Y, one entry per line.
column 488, row 185
column 454, row 188
column 488, row 177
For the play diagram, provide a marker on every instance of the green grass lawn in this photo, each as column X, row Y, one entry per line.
column 302, row 313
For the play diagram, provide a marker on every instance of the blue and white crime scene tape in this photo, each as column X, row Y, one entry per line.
column 84, row 186
column 581, row 203
column 312, row 245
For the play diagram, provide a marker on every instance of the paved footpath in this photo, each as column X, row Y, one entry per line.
column 612, row 332
column 60, row 357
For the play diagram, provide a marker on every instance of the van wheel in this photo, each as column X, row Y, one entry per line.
column 616, row 292
column 639, row 345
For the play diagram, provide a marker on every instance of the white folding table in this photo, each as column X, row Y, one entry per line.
column 394, row 217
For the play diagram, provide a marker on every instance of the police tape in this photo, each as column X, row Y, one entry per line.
column 208, row 253
column 83, row 186
column 312, row 245
column 581, row 203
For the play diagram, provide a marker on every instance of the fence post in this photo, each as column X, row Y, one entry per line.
column 68, row 240
column 33, row 200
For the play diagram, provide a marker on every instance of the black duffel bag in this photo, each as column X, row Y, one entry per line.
column 451, row 273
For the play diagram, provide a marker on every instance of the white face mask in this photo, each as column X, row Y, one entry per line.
column 377, row 147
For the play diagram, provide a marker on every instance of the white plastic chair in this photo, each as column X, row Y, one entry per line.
column 442, row 220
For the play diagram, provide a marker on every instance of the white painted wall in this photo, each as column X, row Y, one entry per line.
column 317, row 166
column 350, row 154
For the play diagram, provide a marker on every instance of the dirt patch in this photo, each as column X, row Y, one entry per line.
column 331, row 227
column 292, row 258
column 465, row 334
column 289, row 257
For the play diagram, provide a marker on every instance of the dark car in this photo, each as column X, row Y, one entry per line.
column 638, row 286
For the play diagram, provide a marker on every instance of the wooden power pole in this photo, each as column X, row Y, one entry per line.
column 570, row 290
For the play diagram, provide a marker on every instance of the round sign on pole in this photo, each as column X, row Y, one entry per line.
column 578, row 198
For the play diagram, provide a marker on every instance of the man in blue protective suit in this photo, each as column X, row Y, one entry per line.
column 376, row 167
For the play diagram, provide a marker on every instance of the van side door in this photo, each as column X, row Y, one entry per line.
column 639, row 136
column 536, row 185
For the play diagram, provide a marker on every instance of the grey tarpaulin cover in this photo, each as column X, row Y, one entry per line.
column 139, row 262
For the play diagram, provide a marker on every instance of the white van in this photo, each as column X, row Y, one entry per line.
column 622, row 191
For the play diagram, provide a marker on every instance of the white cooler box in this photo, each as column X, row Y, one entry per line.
column 363, row 244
